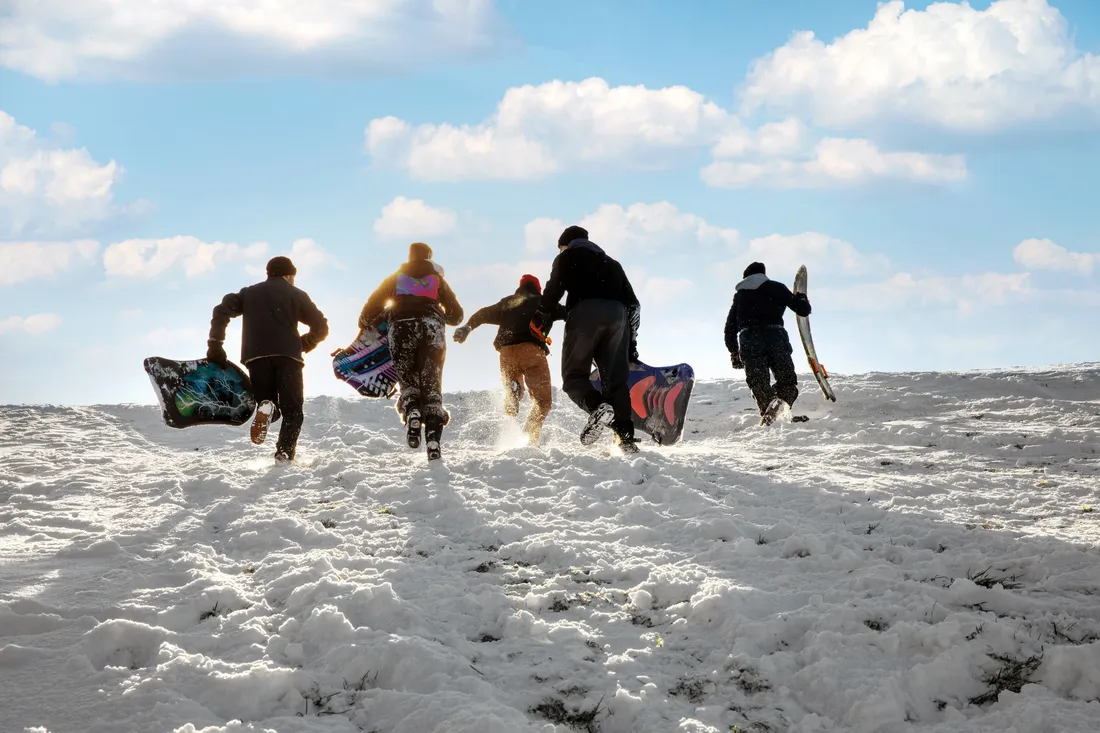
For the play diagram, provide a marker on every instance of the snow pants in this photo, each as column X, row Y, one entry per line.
column 525, row 365
column 765, row 351
column 598, row 330
column 419, row 349
column 278, row 379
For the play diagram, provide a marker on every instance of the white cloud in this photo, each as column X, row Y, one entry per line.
column 639, row 227
column 36, row 324
column 413, row 219
column 964, row 294
column 663, row 291
column 949, row 65
column 539, row 130
column 150, row 258
column 139, row 39
column 1043, row 254
column 836, row 162
column 22, row 261
column 50, row 191
column 786, row 253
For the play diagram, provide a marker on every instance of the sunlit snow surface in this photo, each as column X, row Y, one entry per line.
column 804, row 577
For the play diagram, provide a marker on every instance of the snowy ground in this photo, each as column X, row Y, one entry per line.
column 891, row 565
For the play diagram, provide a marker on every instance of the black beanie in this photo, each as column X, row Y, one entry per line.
column 571, row 233
column 756, row 268
column 419, row 251
column 280, row 267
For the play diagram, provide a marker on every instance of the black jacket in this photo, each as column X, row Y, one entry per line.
column 587, row 273
column 416, row 290
column 513, row 316
column 759, row 301
column 272, row 311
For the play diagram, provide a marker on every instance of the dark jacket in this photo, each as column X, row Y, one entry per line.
column 760, row 302
column 272, row 311
column 416, row 290
column 513, row 317
column 586, row 272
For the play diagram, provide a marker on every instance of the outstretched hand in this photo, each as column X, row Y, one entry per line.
column 461, row 334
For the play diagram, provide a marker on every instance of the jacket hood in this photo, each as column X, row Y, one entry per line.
column 421, row 268
column 752, row 282
column 585, row 244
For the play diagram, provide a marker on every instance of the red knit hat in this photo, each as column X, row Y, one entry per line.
column 532, row 280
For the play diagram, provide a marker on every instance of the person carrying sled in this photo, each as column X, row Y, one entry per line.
column 601, row 325
column 272, row 349
column 522, row 351
column 419, row 304
column 758, row 341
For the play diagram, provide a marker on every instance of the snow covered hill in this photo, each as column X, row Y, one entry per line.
column 920, row 556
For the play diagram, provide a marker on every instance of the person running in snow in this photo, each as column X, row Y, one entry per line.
column 758, row 342
column 601, row 325
column 522, row 351
column 419, row 304
column 272, row 349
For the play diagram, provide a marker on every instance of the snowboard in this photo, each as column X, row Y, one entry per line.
column 199, row 392
column 367, row 365
column 816, row 366
column 658, row 399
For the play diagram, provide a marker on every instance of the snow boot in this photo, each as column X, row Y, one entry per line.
column 772, row 412
column 598, row 419
column 413, row 426
column 433, row 434
column 258, row 433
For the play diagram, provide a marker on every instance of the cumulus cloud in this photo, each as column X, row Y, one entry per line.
column 1043, row 254
column 23, row 261
column 36, row 324
column 786, row 253
column 146, row 259
column 202, row 39
column 540, row 130
column 837, row 162
column 964, row 293
column 414, row 219
column 641, row 227
column 46, row 190
column 949, row 65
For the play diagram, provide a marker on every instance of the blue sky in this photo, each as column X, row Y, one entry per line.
column 934, row 165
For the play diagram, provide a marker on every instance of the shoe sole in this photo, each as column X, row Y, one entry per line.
column 595, row 427
column 412, row 430
column 258, row 433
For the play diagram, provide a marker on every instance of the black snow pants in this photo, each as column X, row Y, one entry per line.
column 766, row 350
column 278, row 379
column 419, row 349
column 598, row 330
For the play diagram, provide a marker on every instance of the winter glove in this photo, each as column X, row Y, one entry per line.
column 735, row 360
column 633, row 351
column 215, row 353
column 307, row 344
column 461, row 334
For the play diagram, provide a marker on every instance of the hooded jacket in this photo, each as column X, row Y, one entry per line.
column 759, row 302
column 272, row 311
column 513, row 316
column 416, row 290
column 587, row 273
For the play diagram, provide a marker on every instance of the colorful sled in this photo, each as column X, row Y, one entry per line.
column 658, row 399
column 816, row 366
column 367, row 364
column 199, row 392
